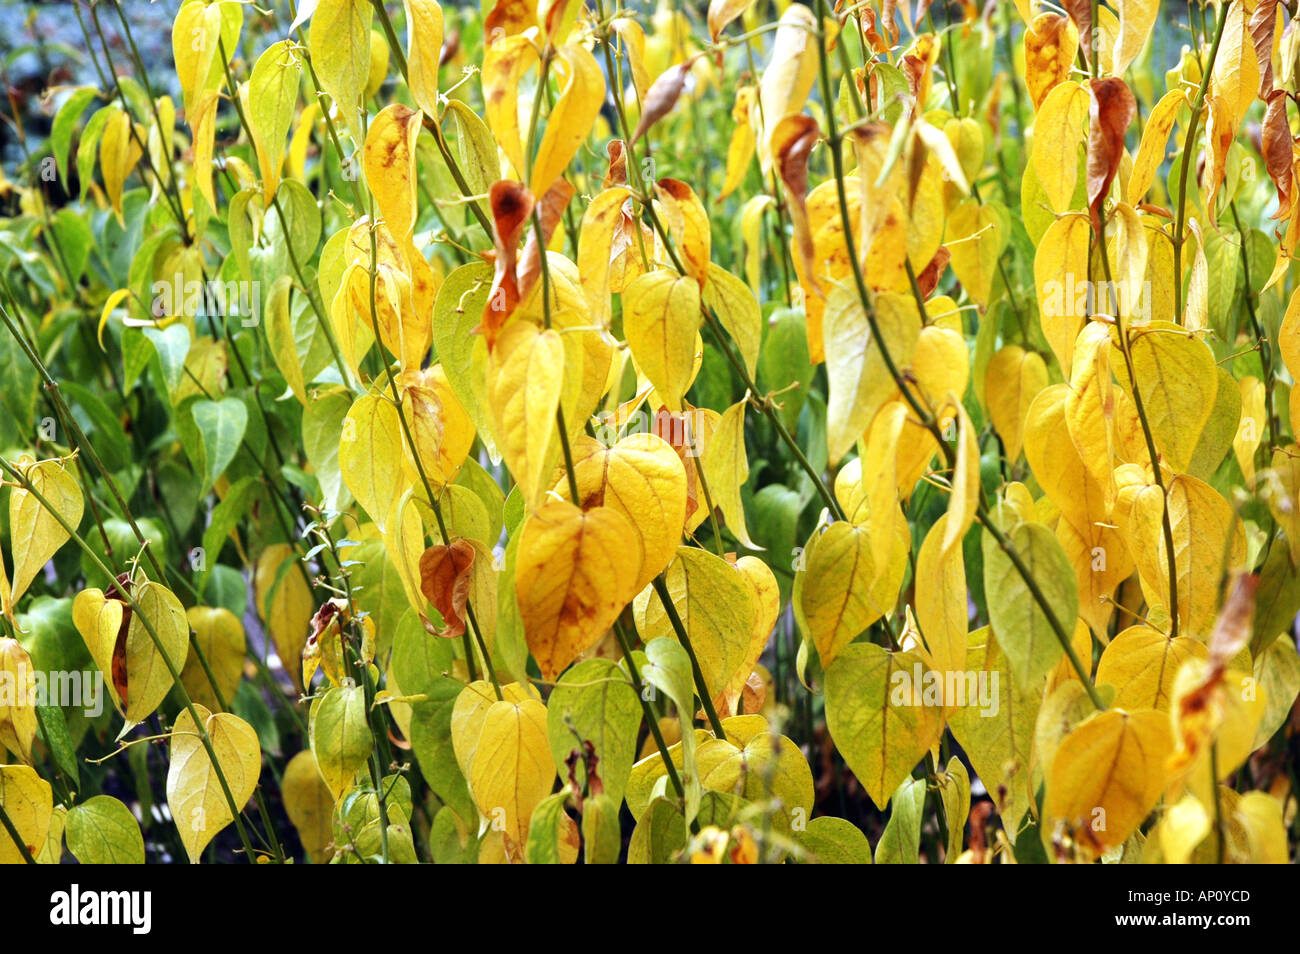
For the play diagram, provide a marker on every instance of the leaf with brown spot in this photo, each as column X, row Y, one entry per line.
column 1051, row 42
column 792, row 142
column 512, row 208
column 550, row 211
column 445, row 573
column 1111, row 110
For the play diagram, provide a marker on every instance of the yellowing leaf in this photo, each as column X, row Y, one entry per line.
column 525, row 385
column 39, row 530
column 716, row 606
column 1141, row 663
column 834, row 591
column 284, row 602
column 29, row 802
column 340, row 738
column 582, row 90
column 424, row 30
column 785, row 83
column 975, row 238
column 1090, row 407
column 575, row 572
column 272, row 94
column 1107, row 776
column 339, row 44
column 726, row 467
column 17, row 709
column 512, row 770
column 195, row 796
column 219, row 636
column 661, row 319
column 941, row 607
column 309, row 804
column 389, row 162
column 859, row 378
column 1013, row 380
column 1058, row 133
column 1177, row 380
column 642, row 478
column 876, row 716
column 370, row 455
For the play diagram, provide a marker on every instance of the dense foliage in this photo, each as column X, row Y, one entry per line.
column 762, row 433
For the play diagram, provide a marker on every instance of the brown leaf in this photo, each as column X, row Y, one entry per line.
column 512, row 207
column 661, row 97
column 1080, row 12
column 792, row 141
column 1261, row 26
column 1111, row 110
column 444, row 581
column 1233, row 628
column 550, row 212
column 1276, row 147
column 617, row 174
column 929, row 276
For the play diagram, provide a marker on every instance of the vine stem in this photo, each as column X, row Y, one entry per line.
column 13, row 834
column 927, row 418
column 235, row 810
column 1180, row 220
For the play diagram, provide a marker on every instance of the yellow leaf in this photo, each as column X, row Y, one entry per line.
column 975, row 238
column 726, row 468
column 964, row 496
column 1058, row 134
column 941, row 608
column 195, row 796
column 785, row 83
column 1012, row 381
column 737, row 309
column 505, row 62
column 512, row 770
column 525, row 384
column 1051, row 41
column 1155, row 135
column 858, row 377
column 1141, row 663
column 575, row 572
column 370, row 455
column 1107, row 775
column 643, row 479
column 582, row 90
column 219, row 636
column 834, row 590
column 1136, row 18
column 309, row 805
column 1177, row 379
column 716, row 606
column 1060, row 277
column 661, row 320
column 284, row 603
column 339, row 45
column 29, row 803
column 1236, row 67
column 1090, row 408
column 424, row 30
column 17, row 707
column 389, row 162
column 596, row 250
column 272, row 95
column 38, row 529
column 119, row 151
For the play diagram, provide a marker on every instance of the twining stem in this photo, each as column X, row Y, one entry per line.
column 1189, row 142
column 188, row 703
column 701, row 688
column 15, row 837
column 1126, row 349
column 1261, row 339
column 925, row 416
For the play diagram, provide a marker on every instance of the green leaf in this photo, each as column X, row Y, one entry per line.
column 221, row 425
column 102, row 831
